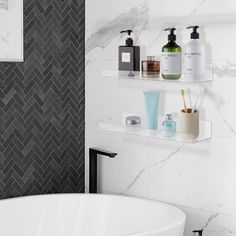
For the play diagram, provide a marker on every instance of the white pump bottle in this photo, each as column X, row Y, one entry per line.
column 194, row 58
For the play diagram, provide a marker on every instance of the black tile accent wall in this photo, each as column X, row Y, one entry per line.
column 42, row 103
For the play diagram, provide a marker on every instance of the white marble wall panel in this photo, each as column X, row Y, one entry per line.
column 198, row 178
column 11, row 30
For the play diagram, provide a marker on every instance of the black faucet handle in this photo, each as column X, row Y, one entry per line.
column 99, row 151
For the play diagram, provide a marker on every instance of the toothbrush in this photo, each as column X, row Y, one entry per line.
column 195, row 105
column 183, row 93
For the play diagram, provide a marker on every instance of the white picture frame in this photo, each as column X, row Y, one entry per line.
column 11, row 31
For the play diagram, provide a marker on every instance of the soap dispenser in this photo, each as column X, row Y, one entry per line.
column 198, row 232
column 129, row 55
column 171, row 58
column 194, row 57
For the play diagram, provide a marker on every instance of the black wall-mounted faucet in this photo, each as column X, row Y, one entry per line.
column 93, row 153
column 198, row 232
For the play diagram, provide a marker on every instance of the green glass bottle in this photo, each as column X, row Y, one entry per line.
column 171, row 58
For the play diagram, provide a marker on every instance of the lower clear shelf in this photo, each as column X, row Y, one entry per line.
column 205, row 132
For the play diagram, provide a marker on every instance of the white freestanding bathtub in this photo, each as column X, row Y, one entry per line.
column 88, row 215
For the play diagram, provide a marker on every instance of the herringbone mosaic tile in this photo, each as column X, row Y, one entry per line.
column 42, row 103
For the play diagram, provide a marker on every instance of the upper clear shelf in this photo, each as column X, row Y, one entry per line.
column 136, row 75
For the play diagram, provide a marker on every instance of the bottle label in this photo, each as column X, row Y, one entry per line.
column 126, row 57
column 171, row 63
column 193, row 63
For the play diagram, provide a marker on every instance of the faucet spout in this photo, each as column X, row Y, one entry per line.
column 93, row 153
column 97, row 151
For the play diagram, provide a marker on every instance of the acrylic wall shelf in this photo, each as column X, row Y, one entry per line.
column 204, row 134
column 134, row 75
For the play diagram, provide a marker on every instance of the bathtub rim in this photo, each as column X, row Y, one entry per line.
column 178, row 222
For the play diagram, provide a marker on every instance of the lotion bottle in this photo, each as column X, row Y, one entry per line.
column 129, row 55
column 194, row 57
column 171, row 58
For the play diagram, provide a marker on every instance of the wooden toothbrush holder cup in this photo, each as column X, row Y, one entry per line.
column 189, row 123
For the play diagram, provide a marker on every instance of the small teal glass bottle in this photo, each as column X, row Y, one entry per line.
column 169, row 126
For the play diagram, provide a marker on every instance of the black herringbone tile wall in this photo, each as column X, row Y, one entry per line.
column 42, row 103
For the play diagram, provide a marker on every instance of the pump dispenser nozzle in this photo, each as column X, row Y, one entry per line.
column 171, row 36
column 194, row 34
column 199, row 232
column 129, row 41
column 129, row 32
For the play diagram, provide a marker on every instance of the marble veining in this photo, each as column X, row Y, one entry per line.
column 193, row 12
column 4, row 4
column 163, row 162
column 160, row 164
column 209, row 220
column 212, row 226
column 229, row 125
column 138, row 176
column 223, row 68
column 179, row 22
column 221, row 105
column 136, row 19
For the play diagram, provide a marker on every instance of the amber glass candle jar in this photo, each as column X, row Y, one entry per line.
column 151, row 67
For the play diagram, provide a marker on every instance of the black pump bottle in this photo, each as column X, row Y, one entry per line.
column 129, row 55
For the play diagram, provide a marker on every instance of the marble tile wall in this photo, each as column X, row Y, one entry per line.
column 11, row 30
column 198, row 178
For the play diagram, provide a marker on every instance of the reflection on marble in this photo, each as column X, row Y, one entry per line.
column 216, row 98
column 11, row 30
column 136, row 19
column 4, row 4
column 225, row 68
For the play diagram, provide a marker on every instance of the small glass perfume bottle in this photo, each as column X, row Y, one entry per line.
column 169, row 126
column 151, row 67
